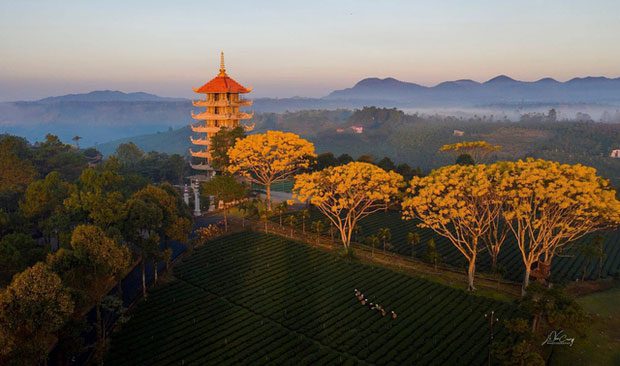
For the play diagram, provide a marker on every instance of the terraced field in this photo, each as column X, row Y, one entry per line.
column 567, row 267
column 252, row 298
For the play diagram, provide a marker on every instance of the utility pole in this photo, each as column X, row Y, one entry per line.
column 492, row 320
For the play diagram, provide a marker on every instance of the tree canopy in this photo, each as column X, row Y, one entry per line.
column 270, row 157
column 347, row 193
column 456, row 202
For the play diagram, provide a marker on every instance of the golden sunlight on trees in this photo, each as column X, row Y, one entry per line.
column 348, row 193
column 457, row 203
column 478, row 150
column 548, row 205
column 270, row 157
column 32, row 309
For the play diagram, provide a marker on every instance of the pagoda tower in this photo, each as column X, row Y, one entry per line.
column 221, row 103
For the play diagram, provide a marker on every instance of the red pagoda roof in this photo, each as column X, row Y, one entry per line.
column 222, row 83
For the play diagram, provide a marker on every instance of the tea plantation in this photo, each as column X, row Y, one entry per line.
column 252, row 298
column 568, row 266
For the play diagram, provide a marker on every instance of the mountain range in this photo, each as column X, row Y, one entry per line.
column 500, row 89
column 105, row 115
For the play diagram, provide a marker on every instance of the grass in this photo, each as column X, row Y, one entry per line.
column 601, row 343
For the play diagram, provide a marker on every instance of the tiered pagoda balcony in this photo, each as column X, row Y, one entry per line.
column 207, row 116
column 204, row 129
column 249, row 127
column 222, row 103
column 203, row 142
column 200, row 154
column 202, row 166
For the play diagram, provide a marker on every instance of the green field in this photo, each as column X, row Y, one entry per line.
column 251, row 298
column 567, row 267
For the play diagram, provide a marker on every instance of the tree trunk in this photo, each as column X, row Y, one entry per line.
column 471, row 271
column 526, row 278
column 268, row 196
column 143, row 277
column 243, row 221
column 494, row 254
column 280, row 221
column 155, row 271
column 303, row 226
column 291, row 232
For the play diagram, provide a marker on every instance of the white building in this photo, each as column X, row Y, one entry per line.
column 458, row 133
column 615, row 153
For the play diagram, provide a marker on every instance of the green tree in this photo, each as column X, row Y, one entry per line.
column 101, row 262
column 345, row 159
column 226, row 189
column 520, row 348
column 32, row 309
column 280, row 210
column 291, row 221
column 464, row 159
column 413, row 239
column 144, row 221
column 385, row 234
column 432, row 255
column 17, row 252
column 129, row 155
column 386, row 164
column 43, row 203
column 221, row 142
column 16, row 173
column 318, row 227
column 366, row 158
column 373, row 241
column 325, row 160
column 304, row 215
column 591, row 251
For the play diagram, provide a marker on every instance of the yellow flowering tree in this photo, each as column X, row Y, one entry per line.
column 478, row 150
column 457, row 202
column 347, row 193
column 548, row 205
column 270, row 157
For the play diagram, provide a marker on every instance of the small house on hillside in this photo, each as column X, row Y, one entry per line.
column 458, row 133
column 357, row 129
column 615, row 153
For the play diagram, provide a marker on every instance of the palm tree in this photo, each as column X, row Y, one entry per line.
column 291, row 220
column 413, row 239
column 77, row 139
column 318, row 227
column 263, row 215
column 305, row 214
column 281, row 209
column 432, row 255
column 385, row 235
column 373, row 240
column 357, row 231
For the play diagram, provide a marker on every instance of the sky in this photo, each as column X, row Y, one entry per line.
column 296, row 48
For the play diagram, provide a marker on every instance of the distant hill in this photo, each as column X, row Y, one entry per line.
column 109, row 96
column 500, row 89
column 108, row 115
column 416, row 139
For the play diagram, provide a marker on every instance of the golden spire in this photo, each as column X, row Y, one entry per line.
column 222, row 68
